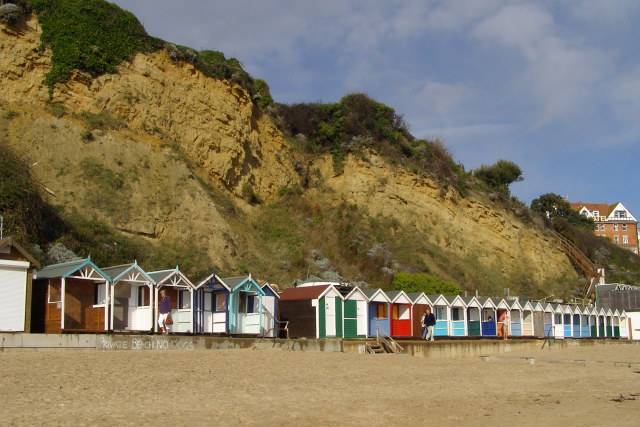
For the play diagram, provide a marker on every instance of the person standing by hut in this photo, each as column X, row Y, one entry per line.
column 165, row 311
column 505, row 325
column 429, row 323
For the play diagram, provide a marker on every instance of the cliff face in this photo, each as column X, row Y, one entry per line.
column 187, row 148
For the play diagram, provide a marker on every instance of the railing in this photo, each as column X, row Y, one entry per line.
column 580, row 260
column 285, row 328
column 388, row 343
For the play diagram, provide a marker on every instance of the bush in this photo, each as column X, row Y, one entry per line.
column 555, row 206
column 102, row 120
column 422, row 282
column 9, row 13
column 500, row 175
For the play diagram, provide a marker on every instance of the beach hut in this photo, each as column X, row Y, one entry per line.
column 378, row 312
column 442, row 312
column 71, row 297
column 16, row 286
column 624, row 325
column 473, row 316
column 602, row 322
column 458, row 310
column 515, row 318
column 528, row 327
column 609, row 322
column 355, row 313
column 312, row 311
column 211, row 311
column 400, row 313
column 488, row 317
column 246, row 305
column 549, row 320
column 585, row 329
column 502, row 308
column 558, row 320
column 131, row 298
column 593, row 321
column 538, row 318
column 616, row 323
column 576, row 321
column 419, row 303
column 269, row 310
column 181, row 291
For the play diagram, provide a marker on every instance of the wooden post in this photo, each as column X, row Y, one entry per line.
column 62, row 292
column 107, row 304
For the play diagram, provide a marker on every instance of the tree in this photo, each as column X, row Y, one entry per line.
column 554, row 206
column 422, row 282
column 500, row 175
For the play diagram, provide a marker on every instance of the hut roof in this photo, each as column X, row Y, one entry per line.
column 66, row 269
column 162, row 277
column 372, row 293
column 212, row 279
column 303, row 293
column 118, row 271
column 8, row 243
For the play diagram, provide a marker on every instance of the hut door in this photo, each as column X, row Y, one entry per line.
column 362, row 318
column 330, row 315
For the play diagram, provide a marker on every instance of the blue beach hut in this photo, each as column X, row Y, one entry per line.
column 442, row 312
column 515, row 318
column 378, row 311
column 488, row 317
column 245, row 305
column 211, row 315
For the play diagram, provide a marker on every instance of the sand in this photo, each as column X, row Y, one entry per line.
column 268, row 387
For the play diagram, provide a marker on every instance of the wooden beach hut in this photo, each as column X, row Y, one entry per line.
column 16, row 286
column 71, row 297
column 269, row 310
column 538, row 319
column 400, row 313
column 211, row 311
column 378, row 312
column 312, row 311
column 488, row 317
column 528, row 329
column 181, row 291
column 132, row 296
column 549, row 320
column 502, row 308
column 473, row 316
column 515, row 317
column 246, row 305
column 355, row 313
column 585, row 329
column 419, row 303
column 442, row 312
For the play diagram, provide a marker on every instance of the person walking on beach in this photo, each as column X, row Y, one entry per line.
column 165, row 311
column 424, row 325
column 505, row 325
column 429, row 323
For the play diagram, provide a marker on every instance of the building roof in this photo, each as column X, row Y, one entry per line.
column 603, row 208
column 66, row 269
column 9, row 242
column 303, row 293
column 117, row 271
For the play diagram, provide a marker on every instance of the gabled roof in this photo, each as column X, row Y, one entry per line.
column 354, row 291
column 419, row 298
column 514, row 304
column 8, row 243
column 398, row 297
column 500, row 303
column 455, row 300
column 212, row 281
column 486, row 302
column 118, row 272
column 470, row 302
column 173, row 277
column 376, row 295
column 66, row 269
column 266, row 287
column 529, row 306
column 603, row 209
column 302, row 293
column 243, row 284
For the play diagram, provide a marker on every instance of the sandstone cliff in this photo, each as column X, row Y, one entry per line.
column 190, row 147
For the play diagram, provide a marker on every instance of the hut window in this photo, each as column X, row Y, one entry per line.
column 252, row 303
column 487, row 315
column 54, row 293
column 220, row 302
column 558, row 318
column 456, row 313
column 381, row 311
column 394, row 312
column 184, row 300
column 567, row 319
column 143, row 296
column 441, row 313
column 100, row 294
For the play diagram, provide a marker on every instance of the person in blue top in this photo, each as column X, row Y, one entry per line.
column 165, row 310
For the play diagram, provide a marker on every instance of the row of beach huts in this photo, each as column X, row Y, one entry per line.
column 78, row 296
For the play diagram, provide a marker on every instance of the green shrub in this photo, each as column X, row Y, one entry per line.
column 422, row 282
column 499, row 175
column 103, row 120
column 9, row 115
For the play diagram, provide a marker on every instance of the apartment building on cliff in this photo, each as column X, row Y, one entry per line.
column 612, row 221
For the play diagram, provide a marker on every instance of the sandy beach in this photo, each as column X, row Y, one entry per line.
column 268, row 387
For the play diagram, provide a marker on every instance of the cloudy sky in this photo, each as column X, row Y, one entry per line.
column 552, row 85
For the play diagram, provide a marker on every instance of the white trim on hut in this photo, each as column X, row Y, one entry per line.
column 515, row 318
column 558, row 320
column 362, row 318
column 213, row 310
column 473, row 314
column 442, row 312
column 527, row 319
column 458, row 310
column 182, row 315
column 132, row 288
column 489, row 316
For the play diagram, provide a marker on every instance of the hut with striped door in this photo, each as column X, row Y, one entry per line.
column 131, row 298
column 71, row 297
column 609, row 322
column 602, row 322
column 567, row 320
column 473, row 316
column 378, row 312
column 420, row 303
column 515, row 317
column 558, row 321
column 180, row 289
column 593, row 321
column 528, row 329
column 538, row 319
column 355, row 313
column 270, row 310
column 400, row 313
column 549, row 320
column 211, row 311
column 576, row 321
column 246, row 305
column 458, row 310
column 312, row 311
column 488, row 317
column 616, row 323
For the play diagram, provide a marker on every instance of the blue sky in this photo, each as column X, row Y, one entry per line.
column 553, row 86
